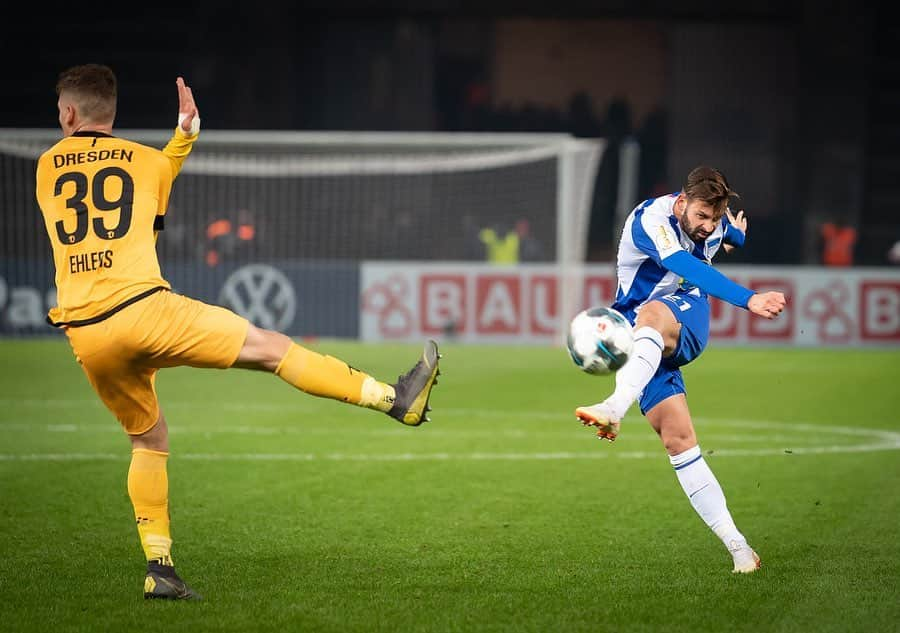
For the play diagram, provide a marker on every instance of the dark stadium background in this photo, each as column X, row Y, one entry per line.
column 797, row 100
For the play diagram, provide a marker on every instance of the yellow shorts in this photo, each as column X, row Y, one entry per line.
column 122, row 353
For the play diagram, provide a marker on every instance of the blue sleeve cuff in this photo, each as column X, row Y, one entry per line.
column 732, row 235
column 708, row 278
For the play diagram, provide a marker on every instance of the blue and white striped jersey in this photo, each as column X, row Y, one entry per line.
column 650, row 235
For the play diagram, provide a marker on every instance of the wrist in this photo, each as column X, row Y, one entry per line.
column 735, row 236
column 750, row 300
column 195, row 124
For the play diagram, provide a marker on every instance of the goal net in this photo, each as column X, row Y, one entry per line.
column 275, row 224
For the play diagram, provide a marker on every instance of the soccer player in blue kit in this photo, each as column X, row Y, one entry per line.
column 665, row 278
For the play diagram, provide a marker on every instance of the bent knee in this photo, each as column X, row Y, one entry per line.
column 156, row 438
column 263, row 349
column 677, row 440
column 657, row 315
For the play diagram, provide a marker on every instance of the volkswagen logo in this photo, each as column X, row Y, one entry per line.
column 261, row 294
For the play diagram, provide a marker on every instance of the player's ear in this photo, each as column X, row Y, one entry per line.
column 67, row 116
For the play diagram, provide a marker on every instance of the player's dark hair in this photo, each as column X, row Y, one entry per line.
column 93, row 87
column 709, row 185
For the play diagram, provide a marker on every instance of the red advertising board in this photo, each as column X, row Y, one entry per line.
column 532, row 303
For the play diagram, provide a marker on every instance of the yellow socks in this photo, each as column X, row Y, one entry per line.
column 148, row 487
column 329, row 377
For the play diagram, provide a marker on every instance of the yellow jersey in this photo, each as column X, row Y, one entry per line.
column 103, row 199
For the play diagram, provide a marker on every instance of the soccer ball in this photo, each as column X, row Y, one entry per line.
column 600, row 340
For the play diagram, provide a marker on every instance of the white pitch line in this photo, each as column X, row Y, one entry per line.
column 818, row 429
column 445, row 457
column 304, row 408
column 886, row 440
column 709, row 435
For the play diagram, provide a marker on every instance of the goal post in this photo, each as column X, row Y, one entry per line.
column 314, row 205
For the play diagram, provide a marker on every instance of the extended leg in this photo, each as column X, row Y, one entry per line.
column 329, row 377
column 656, row 334
column 671, row 419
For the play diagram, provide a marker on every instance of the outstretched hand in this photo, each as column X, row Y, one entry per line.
column 739, row 221
column 767, row 304
column 187, row 108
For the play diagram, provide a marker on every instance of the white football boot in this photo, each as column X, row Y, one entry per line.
column 602, row 417
column 745, row 559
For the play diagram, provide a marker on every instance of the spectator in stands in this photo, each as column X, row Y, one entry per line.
column 838, row 242
column 652, row 139
column 893, row 254
column 530, row 248
column 501, row 244
column 581, row 119
column 230, row 237
column 504, row 245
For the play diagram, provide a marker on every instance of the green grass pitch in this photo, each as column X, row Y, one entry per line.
column 295, row 513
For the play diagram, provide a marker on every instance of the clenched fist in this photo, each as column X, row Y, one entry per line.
column 767, row 304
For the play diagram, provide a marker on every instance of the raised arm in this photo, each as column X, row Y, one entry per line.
column 179, row 146
column 188, row 115
column 735, row 228
column 187, row 130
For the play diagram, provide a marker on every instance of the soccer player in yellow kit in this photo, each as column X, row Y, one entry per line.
column 104, row 199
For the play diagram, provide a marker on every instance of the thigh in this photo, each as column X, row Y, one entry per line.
column 184, row 331
column 665, row 383
column 122, row 354
column 657, row 315
column 124, row 384
column 691, row 310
